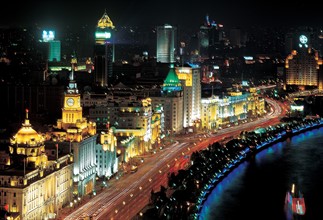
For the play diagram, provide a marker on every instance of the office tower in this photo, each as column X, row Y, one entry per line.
column 54, row 51
column 54, row 46
column 191, row 83
column 103, row 51
column 302, row 65
column 166, row 43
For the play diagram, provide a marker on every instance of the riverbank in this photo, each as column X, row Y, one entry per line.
column 210, row 166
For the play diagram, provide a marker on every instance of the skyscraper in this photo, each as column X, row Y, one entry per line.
column 103, row 51
column 54, row 46
column 166, row 43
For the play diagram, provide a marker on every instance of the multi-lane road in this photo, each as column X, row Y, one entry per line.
column 125, row 197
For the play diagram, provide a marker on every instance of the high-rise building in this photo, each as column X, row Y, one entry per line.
column 191, row 82
column 303, row 65
column 103, row 51
column 54, row 46
column 54, row 51
column 166, row 43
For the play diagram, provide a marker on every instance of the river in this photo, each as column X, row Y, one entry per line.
column 256, row 189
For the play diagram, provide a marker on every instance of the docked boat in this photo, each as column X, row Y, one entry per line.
column 295, row 201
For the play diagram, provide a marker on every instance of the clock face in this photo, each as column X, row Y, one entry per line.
column 303, row 39
column 70, row 102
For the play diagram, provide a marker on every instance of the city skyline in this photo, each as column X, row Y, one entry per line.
column 230, row 13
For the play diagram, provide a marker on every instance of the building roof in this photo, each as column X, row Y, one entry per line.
column 27, row 133
column 105, row 22
column 172, row 82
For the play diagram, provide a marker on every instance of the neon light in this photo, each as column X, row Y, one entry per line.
column 104, row 35
column 48, row 35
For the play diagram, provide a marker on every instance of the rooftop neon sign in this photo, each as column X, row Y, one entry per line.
column 102, row 35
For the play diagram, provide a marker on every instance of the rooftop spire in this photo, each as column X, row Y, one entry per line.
column 26, row 124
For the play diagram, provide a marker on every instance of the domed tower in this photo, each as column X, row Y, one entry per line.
column 103, row 51
column 29, row 145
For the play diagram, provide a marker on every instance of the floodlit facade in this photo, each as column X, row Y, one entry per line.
column 35, row 180
column 135, row 124
column 235, row 107
column 106, row 154
column 75, row 134
column 303, row 66
column 191, row 83
column 172, row 101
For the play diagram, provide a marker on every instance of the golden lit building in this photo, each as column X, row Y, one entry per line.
column 303, row 66
column 136, row 125
column 76, row 135
column 106, row 154
column 256, row 104
column 35, row 180
column 218, row 112
column 209, row 113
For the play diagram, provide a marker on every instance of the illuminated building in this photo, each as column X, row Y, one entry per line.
column 166, row 43
column 103, row 51
column 134, row 124
column 211, row 36
column 191, row 84
column 238, row 107
column 54, row 46
column 106, row 154
column 36, row 180
column 78, row 136
column 216, row 111
column 256, row 104
column 172, row 101
column 209, row 113
column 303, row 66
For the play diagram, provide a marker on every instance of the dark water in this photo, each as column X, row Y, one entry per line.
column 257, row 189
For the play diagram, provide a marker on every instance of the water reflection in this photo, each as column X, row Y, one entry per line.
column 257, row 188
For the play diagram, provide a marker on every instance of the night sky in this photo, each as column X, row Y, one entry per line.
column 149, row 12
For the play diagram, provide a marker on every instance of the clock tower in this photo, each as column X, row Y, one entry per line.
column 72, row 110
column 80, row 137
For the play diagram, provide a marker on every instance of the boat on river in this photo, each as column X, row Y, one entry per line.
column 295, row 201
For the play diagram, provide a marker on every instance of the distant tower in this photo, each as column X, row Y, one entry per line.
column 303, row 66
column 54, row 46
column 166, row 43
column 103, row 51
